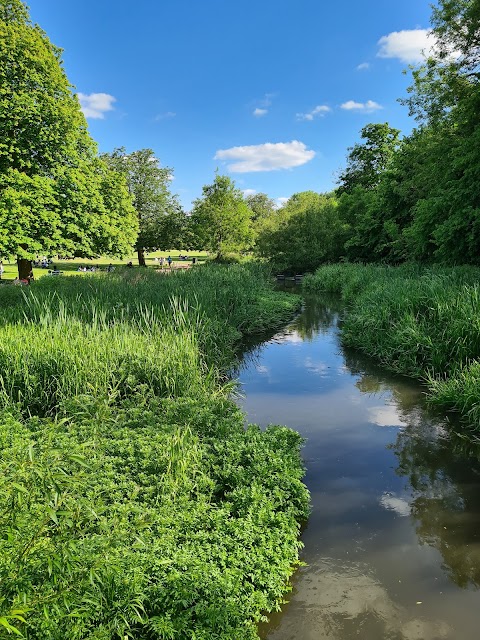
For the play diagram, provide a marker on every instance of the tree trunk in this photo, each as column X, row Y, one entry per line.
column 24, row 268
column 141, row 257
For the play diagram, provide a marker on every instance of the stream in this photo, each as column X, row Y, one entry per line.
column 392, row 546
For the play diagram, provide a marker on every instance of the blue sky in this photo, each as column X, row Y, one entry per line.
column 270, row 92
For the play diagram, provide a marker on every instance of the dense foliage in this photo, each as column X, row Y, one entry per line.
column 161, row 220
column 419, row 321
column 415, row 198
column 221, row 220
column 55, row 194
column 306, row 232
column 426, row 202
column 133, row 501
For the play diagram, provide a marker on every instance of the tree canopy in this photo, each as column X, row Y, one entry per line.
column 161, row 219
column 221, row 220
column 52, row 184
column 307, row 233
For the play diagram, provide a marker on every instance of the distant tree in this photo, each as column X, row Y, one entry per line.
column 50, row 179
column 308, row 233
column 367, row 161
column 263, row 210
column 221, row 220
column 161, row 219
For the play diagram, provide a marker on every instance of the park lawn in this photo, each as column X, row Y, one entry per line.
column 70, row 267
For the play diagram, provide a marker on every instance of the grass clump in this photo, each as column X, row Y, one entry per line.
column 133, row 501
column 419, row 321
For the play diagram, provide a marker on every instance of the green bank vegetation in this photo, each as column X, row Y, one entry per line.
column 419, row 321
column 134, row 503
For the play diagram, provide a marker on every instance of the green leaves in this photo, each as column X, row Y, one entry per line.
column 140, row 507
column 161, row 221
column 306, row 233
column 221, row 220
column 55, row 196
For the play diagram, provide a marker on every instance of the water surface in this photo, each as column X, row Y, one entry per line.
column 392, row 547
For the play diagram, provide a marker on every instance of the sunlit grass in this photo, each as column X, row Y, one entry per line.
column 70, row 267
column 134, row 503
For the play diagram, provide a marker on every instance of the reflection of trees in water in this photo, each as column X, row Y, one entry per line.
column 442, row 470
column 319, row 315
column 374, row 379
column 445, row 482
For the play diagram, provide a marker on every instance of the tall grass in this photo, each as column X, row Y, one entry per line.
column 419, row 321
column 133, row 502
column 44, row 364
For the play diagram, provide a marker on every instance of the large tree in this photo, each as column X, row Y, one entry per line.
column 367, row 160
column 445, row 99
column 160, row 217
column 263, row 210
column 221, row 220
column 51, row 183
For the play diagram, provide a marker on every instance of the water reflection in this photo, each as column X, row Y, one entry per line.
column 445, row 498
column 393, row 543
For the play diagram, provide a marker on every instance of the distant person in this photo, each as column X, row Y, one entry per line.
column 30, row 277
column 169, row 260
column 130, row 264
column 110, row 268
column 1, row 269
column 194, row 260
column 162, row 262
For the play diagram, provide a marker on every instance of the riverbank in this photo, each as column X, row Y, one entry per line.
column 418, row 321
column 135, row 502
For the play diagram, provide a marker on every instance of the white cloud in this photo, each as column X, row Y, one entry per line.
column 410, row 46
column 262, row 369
column 319, row 111
column 249, row 192
column 266, row 157
column 365, row 107
column 393, row 503
column 281, row 201
column 363, row 66
column 165, row 116
column 96, row 104
column 258, row 113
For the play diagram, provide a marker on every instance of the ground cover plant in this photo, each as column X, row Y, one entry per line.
column 134, row 503
column 419, row 321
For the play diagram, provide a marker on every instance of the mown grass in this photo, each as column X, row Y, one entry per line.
column 419, row 321
column 70, row 266
column 133, row 502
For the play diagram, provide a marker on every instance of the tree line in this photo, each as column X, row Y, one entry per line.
column 397, row 199
column 415, row 198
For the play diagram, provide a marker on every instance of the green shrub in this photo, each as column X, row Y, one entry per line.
column 154, row 519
